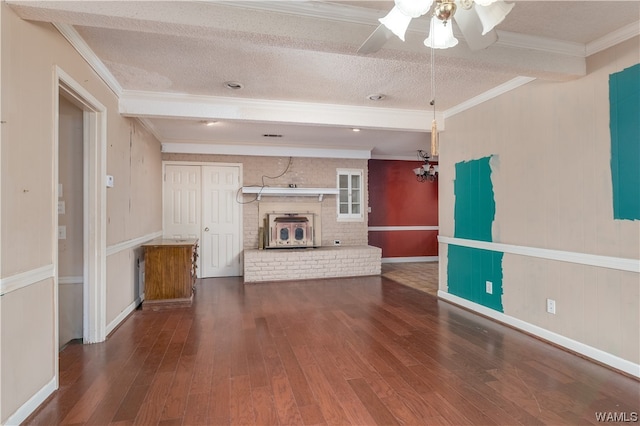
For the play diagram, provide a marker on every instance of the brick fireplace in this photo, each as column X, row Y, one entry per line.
column 290, row 247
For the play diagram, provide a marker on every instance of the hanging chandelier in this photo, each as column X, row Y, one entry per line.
column 428, row 172
column 489, row 13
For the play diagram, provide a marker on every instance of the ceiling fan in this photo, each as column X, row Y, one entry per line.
column 476, row 20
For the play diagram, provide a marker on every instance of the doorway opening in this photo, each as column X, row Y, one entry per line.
column 71, row 250
column 89, row 198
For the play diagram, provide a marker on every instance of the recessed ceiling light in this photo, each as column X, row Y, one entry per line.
column 376, row 97
column 355, row 130
column 209, row 123
column 233, row 85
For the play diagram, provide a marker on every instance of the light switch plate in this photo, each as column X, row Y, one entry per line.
column 109, row 181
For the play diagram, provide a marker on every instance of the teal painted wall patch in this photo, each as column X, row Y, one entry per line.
column 475, row 207
column 469, row 269
column 624, row 102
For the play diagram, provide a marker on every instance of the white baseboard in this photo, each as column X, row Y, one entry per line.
column 32, row 404
column 123, row 315
column 565, row 342
column 409, row 259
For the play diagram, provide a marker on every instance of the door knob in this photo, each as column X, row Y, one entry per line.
column 206, row 229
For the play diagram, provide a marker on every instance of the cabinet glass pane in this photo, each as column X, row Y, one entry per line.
column 355, row 181
column 350, row 194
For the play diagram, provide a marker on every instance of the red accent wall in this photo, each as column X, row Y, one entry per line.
column 397, row 198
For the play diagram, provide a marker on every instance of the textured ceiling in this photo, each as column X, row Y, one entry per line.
column 303, row 54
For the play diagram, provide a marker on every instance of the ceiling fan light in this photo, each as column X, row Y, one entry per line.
column 493, row 14
column 397, row 22
column 441, row 35
column 414, row 8
column 445, row 9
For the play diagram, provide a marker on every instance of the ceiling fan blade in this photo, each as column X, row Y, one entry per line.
column 471, row 28
column 376, row 40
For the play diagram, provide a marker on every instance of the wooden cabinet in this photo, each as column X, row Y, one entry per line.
column 169, row 272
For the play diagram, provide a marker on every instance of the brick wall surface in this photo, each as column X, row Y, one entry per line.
column 297, row 264
column 302, row 172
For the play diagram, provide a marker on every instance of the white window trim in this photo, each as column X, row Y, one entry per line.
column 350, row 217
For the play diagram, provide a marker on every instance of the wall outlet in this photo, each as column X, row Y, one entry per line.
column 60, row 207
column 109, row 181
column 489, row 287
column 551, row 306
column 336, row 242
column 62, row 232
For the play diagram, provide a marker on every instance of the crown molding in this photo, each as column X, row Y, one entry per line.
column 488, row 95
column 543, row 44
column 148, row 124
column 396, row 158
column 616, row 37
column 367, row 16
column 164, row 105
column 321, row 10
column 72, row 36
column 267, row 151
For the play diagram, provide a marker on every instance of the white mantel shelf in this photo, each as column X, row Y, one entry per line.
column 262, row 191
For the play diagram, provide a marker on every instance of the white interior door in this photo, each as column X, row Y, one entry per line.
column 220, row 245
column 181, row 205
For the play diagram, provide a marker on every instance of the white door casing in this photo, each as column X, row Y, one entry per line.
column 221, row 250
column 95, row 202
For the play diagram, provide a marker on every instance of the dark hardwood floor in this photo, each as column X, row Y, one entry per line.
column 358, row 351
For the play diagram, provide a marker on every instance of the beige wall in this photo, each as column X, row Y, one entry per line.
column 552, row 184
column 28, row 346
column 134, row 208
column 29, row 53
column 303, row 172
column 134, row 204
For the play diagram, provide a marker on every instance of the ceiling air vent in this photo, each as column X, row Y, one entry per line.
column 233, row 85
column 271, row 135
